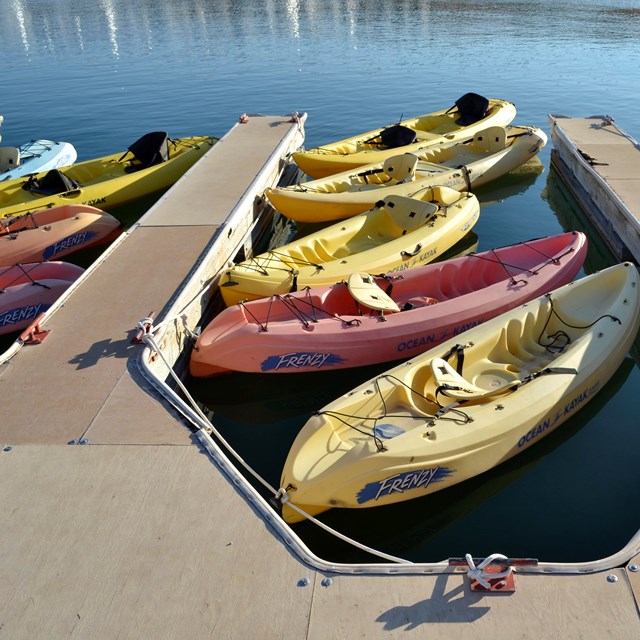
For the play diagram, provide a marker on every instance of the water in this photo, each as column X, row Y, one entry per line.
column 101, row 74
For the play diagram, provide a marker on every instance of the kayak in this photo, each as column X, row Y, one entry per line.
column 397, row 234
column 21, row 302
column 34, row 157
column 464, row 407
column 50, row 234
column 333, row 327
column 470, row 113
column 466, row 165
column 149, row 165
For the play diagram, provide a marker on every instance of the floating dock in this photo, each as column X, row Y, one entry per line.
column 121, row 518
column 600, row 164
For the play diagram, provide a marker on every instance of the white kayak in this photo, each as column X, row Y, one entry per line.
column 34, row 157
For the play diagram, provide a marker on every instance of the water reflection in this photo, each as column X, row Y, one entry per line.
column 35, row 23
column 514, row 183
column 572, row 218
column 19, row 11
column 109, row 11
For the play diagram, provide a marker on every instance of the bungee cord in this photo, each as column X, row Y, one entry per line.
column 560, row 335
column 23, row 271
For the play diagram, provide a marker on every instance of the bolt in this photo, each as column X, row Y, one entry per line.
column 8, row 448
column 612, row 578
column 634, row 568
column 303, row 582
column 327, row 582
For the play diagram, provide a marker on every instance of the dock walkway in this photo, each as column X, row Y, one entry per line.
column 600, row 163
column 137, row 534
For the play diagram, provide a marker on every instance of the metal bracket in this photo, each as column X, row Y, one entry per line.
column 34, row 334
column 493, row 573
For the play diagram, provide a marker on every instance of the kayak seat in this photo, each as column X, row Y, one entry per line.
column 9, row 158
column 409, row 214
column 445, row 195
column 149, row 150
column 471, row 108
column 397, row 135
column 51, row 183
column 451, row 384
column 491, row 140
column 366, row 292
column 401, row 168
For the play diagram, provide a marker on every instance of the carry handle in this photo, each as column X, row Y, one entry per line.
column 410, row 254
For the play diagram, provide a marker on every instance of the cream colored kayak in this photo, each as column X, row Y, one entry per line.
column 468, row 405
column 466, row 165
column 397, row 234
column 470, row 114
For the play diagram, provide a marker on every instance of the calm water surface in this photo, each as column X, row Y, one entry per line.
column 101, row 74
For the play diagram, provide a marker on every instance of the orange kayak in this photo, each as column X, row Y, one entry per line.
column 369, row 320
column 50, row 234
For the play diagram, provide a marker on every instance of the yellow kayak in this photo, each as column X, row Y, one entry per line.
column 151, row 164
column 397, row 234
column 470, row 113
column 465, row 165
column 471, row 403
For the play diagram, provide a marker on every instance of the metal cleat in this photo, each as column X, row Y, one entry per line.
column 144, row 326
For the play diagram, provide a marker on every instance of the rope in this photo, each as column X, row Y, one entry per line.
column 555, row 345
column 290, row 303
column 23, row 219
column 277, row 257
column 462, row 419
column 27, row 151
column 26, row 273
column 280, row 494
column 478, row 573
column 550, row 260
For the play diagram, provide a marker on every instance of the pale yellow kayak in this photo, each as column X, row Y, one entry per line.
column 470, row 113
column 469, row 404
column 398, row 234
column 466, row 165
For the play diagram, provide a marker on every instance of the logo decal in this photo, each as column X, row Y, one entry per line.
column 300, row 360
column 402, row 482
column 28, row 312
column 69, row 242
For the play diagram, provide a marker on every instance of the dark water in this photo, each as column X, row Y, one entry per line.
column 101, row 74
